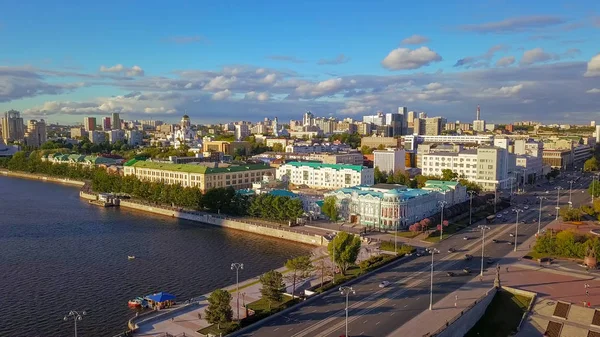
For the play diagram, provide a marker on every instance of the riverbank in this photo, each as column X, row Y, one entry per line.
column 41, row 177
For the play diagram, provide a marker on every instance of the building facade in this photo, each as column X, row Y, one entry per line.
column 89, row 123
column 202, row 177
column 115, row 121
column 326, row 176
column 388, row 206
column 13, row 128
column 134, row 137
column 390, row 160
column 36, row 133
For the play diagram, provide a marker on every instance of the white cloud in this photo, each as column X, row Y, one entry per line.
column 594, row 91
column 269, row 79
column 220, row 83
column 415, row 39
column 535, row 55
column 356, row 107
column 263, row 96
column 120, row 69
column 340, row 59
column 593, row 67
column 324, row 88
column 221, row 95
column 404, row 58
column 433, row 86
column 260, row 71
column 258, row 96
column 516, row 24
column 505, row 61
column 507, row 91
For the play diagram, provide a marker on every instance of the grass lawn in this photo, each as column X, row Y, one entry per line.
column 213, row 330
column 262, row 305
column 502, row 316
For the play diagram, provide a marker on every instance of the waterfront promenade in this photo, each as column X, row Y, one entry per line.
column 186, row 320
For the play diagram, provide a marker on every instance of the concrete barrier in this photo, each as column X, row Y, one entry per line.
column 281, row 233
column 468, row 318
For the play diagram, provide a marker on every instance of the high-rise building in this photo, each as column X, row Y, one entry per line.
column 115, row 136
column 479, row 125
column 597, row 133
column 377, row 120
column 134, row 137
column 402, row 110
column 116, row 121
column 97, row 137
column 308, row 118
column 396, row 122
column 433, row 126
column 36, row 133
column 593, row 123
column 389, row 160
column 106, row 125
column 241, row 131
column 478, row 114
column 422, row 115
column 89, row 123
column 12, row 126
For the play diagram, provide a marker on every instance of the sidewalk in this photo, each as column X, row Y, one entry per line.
column 187, row 320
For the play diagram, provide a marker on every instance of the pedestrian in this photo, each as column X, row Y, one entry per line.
column 587, row 293
column 172, row 319
column 199, row 316
column 507, row 269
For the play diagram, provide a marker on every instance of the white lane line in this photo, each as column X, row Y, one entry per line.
column 276, row 329
column 406, row 306
column 291, row 329
column 377, row 323
column 392, row 314
column 365, row 321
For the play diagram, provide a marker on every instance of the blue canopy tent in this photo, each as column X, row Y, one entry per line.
column 160, row 300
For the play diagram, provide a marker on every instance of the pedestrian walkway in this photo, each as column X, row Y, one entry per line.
column 192, row 318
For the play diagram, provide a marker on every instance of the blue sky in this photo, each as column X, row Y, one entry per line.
column 232, row 60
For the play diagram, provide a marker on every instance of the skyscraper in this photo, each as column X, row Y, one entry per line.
column 106, row 125
column 36, row 133
column 478, row 115
column 12, row 126
column 89, row 123
column 116, row 121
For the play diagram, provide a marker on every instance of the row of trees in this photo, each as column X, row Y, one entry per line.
column 566, row 244
column 418, row 181
column 281, row 208
column 593, row 164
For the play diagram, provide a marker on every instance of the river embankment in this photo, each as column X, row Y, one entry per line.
column 41, row 177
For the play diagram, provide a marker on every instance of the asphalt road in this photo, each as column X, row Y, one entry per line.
column 378, row 311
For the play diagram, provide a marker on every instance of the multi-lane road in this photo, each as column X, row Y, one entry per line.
column 376, row 311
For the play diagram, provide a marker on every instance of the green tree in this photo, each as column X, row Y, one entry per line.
column 378, row 176
column 401, row 178
column 272, row 287
column 471, row 186
column 570, row 214
column 366, row 150
column 591, row 164
column 278, row 147
column 219, row 308
column 448, row 174
column 330, row 208
column 299, row 267
column 594, row 188
column 344, row 249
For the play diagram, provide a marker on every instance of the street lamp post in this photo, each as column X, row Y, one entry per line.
column 237, row 266
column 558, row 188
column 346, row 291
column 442, row 205
column 570, row 192
column 76, row 317
column 433, row 251
column 495, row 198
column 471, row 206
column 517, row 210
column 540, row 214
column 483, row 229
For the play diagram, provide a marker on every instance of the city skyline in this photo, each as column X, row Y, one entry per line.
column 221, row 62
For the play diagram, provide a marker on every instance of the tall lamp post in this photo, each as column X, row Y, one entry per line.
column 483, row 229
column 471, row 206
column 540, row 214
column 346, row 291
column 517, row 210
column 76, row 317
column 433, row 251
column 442, row 205
column 237, row 266
column 570, row 192
column 495, row 198
column 558, row 188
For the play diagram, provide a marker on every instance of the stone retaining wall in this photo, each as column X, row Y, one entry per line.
column 469, row 317
column 40, row 177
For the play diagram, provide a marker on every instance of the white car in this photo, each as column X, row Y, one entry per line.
column 505, row 212
column 384, row 284
column 526, row 207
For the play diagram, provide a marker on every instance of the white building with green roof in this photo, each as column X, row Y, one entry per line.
column 325, row 176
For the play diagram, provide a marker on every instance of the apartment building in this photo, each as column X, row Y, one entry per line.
column 375, row 142
column 13, row 128
column 411, row 142
column 226, row 147
column 390, row 160
column 36, row 133
column 327, row 176
column 202, row 177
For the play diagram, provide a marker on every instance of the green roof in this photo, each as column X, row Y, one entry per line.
column 191, row 168
column 356, row 168
column 441, row 184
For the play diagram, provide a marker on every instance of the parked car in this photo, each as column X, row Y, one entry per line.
column 468, row 257
column 450, row 273
column 451, row 250
column 494, row 241
column 490, row 261
column 512, row 235
column 467, row 270
column 509, row 242
column 384, row 284
column 465, row 238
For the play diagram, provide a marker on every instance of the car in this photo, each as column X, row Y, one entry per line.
column 384, row 284
column 511, row 235
column 505, row 212
column 498, row 215
column 450, row 273
column 451, row 250
column 494, row 241
column 419, row 253
column 489, row 261
column 526, row 207
column 467, row 270
column 468, row 257
column 509, row 243
column 465, row 238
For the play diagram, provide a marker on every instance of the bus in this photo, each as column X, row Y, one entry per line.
column 490, row 218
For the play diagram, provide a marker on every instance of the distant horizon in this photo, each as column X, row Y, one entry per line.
column 224, row 62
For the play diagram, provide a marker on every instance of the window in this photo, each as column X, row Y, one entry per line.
column 305, row 175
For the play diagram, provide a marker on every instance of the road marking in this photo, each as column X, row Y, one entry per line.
column 377, row 323
column 365, row 321
column 362, row 333
column 406, row 306
column 276, row 329
column 291, row 329
column 392, row 314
